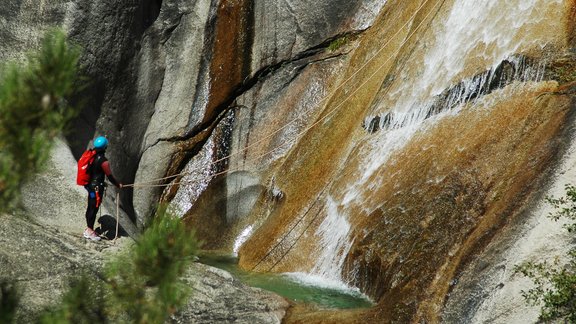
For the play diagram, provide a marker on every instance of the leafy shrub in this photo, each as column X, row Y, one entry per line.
column 9, row 299
column 146, row 284
column 337, row 43
column 555, row 284
column 32, row 112
column 141, row 285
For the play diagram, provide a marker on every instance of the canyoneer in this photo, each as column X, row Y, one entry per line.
column 93, row 168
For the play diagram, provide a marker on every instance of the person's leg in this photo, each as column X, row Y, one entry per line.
column 92, row 208
column 94, row 199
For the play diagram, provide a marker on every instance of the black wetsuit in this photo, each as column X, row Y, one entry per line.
column 99, row 169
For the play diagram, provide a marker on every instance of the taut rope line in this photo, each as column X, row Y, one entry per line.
column 117, row 214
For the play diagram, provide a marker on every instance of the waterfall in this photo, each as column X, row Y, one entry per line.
column 335, row 242
column 334, row 236
column 197, row 175
column 462, row 62
column 244, row 235
column 467, row 37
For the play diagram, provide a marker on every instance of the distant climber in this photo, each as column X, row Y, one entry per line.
column 97, row 167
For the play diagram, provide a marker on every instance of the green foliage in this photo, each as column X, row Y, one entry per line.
column 337, row 43
column 565, row 207
column 555, row 284
column 34, row 110
column 142, row 285
column 146, row 284
column 9, row 299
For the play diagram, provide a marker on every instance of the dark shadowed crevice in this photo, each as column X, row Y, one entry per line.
column 111, row 37
column 82, row 128
column 150, row 12
column 249, row 37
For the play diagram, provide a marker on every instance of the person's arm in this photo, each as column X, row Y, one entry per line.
column 108, row 172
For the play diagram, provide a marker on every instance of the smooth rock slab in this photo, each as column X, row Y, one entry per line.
column 218, row 297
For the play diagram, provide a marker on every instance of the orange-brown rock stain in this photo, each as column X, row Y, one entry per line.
column 439, row 199
column 230, row 63
column 488, row 164
column 229, row 66
column 571, row 22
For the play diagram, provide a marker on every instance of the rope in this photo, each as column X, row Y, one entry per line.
column 330, row 95
column 329, row 114
column 117, row 214
column 285, row 236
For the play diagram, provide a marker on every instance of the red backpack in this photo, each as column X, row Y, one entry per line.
column 83, row 176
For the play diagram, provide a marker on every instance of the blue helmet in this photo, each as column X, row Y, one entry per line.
column 100, row 142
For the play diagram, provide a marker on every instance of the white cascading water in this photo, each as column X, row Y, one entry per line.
column 198, row 173
column 335, row 245
column 333, row 232
column 244, row 235
column 475, row 32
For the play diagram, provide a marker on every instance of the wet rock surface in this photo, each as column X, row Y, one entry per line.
column 163, row 74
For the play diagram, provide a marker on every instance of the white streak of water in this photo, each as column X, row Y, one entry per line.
column 246, row 233
column 198, row 175
column 454, row 51
column 334, row 244
column 321, row 282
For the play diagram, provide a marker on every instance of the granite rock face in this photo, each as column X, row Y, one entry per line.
column 42, row 247
column 41, row 259
column 23, row 23
column 254, row 110
column 199, row 57
column 161, row 79
column 42, row 250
